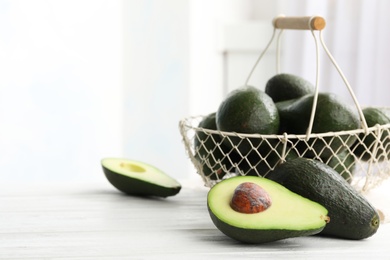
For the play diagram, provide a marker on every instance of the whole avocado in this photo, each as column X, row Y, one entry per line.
column 332, row 114
column 257, row 164
column 364, row 148
column 351, row 215
column 344, row 163
column 286, row 86
column 213, row 155
column 247, row 110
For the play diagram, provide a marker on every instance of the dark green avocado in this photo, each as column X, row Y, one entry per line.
column 364, row 148
column 214, row 157
column 285, row 215
column 256, row 163
column 138, row 178
column 332, row 115
column 286, row 86
column 247, row 110
column 344, row 163
column 351, row 215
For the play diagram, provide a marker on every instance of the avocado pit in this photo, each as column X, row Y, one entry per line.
column 250, row 198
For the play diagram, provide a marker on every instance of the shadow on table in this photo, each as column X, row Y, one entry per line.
column 217, row 238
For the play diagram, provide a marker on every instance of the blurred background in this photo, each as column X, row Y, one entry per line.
column 87, row 79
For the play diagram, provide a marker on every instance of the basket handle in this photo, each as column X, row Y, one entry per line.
column 316, row 23
column 312, row 23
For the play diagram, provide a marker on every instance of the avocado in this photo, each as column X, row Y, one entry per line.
column 256, row 210
column 283, row 107
column 260, row 164
column 332, row 115
column 138, row 178
column 344, row 163
column 352, row 216
column 286, row 86
column 210, row 151
column 247, row 110
column 365, row 145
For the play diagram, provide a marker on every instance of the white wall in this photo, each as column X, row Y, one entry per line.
column 84, row 79
column 60, row 88
column 214, row 30
column 156, row 61
column 356, row 35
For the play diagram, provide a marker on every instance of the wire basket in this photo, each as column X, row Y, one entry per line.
column 361, row 156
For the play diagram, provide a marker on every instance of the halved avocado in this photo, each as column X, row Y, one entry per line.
column 289, row 215
column 138, row 178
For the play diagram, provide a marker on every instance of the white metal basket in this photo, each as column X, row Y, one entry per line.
column 364, row 167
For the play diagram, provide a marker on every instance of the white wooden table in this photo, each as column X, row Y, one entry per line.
column 94, row 221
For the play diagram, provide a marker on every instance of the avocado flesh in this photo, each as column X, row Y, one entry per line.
column 290, row 215
column 138, row 178
column 351, row 215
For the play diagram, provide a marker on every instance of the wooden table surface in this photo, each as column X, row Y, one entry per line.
column 95, row 221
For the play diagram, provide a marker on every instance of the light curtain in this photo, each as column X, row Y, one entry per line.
column 356, row 35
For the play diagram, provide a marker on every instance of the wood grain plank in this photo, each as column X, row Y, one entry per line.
column 97, row 222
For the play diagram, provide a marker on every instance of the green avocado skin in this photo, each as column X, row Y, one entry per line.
column 209, row 147
column 332, row 115
column 351, row 215
column 251, row 111
column 255, row 236
column 132, row 186
column 344, row 163
column 285, row 86
column 254, row 163
column 248, row 110
column 365, row 150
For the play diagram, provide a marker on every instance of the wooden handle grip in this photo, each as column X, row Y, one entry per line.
column 299, row 22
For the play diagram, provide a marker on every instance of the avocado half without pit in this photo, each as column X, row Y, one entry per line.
column 138, row 178
column 256, row 210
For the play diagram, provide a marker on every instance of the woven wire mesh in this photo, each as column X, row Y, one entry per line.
column 361, row 157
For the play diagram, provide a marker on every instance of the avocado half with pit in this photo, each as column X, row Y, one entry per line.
column 138, row 178
column 256, row 210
